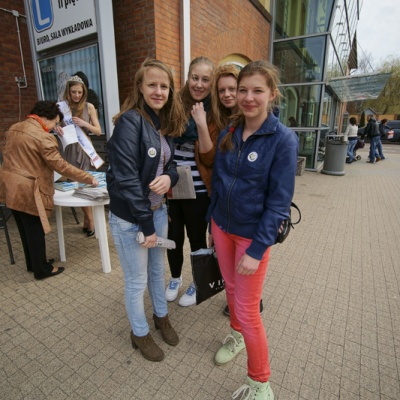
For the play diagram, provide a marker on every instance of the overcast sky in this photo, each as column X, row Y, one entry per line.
column 378, row 30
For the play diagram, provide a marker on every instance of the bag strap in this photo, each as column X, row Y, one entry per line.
column 298, row 210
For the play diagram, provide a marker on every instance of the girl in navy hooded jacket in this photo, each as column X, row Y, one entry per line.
column 252, row 189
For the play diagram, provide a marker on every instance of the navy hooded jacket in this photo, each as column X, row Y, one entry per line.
column 253, row 185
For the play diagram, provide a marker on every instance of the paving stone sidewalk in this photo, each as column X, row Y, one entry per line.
column 331, row 298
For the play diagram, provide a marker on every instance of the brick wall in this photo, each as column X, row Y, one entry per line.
column 134, row 39
column 11, row 67
column 218, row 28
column 167, row 23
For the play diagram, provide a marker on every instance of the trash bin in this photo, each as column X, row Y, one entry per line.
column 335, row 155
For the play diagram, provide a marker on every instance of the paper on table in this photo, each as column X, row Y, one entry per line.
column 69, row 136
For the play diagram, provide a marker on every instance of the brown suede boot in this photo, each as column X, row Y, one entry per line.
column 149, row 349
column 167, row 331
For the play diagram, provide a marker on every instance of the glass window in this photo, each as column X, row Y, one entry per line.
column 302, row 17
column 307, row 146
column 321, row 146
column 300, row 105
column 55, row 71
column 300, row 60
column 333, row 66
column 326, row 110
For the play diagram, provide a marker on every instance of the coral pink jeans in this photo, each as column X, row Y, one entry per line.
column 243, row 293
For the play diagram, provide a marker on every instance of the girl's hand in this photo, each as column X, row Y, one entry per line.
column 247, row 265
column 79, row 122
column 95, row 182
column 150, row 241
column 210, row 240
column 161, row 184
column 199, row 115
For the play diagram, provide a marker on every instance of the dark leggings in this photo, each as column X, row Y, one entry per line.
column 192, row 214
column 33, row 241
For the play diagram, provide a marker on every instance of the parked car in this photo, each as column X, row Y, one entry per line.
column 393, row 125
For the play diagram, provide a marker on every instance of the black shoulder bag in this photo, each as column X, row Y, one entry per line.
column 287, row 224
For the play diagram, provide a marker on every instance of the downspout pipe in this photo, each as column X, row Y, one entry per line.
column 185, row 40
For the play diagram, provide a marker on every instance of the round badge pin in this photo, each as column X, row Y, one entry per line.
column 152, row 152
column 252, row 156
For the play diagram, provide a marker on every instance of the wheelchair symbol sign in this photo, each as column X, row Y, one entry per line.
column 42, row 13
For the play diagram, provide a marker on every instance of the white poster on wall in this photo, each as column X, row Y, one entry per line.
column 59, row 21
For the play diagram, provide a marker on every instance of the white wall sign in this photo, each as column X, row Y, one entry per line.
column 59, row 21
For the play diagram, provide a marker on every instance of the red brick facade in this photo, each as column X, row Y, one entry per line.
column 221, row 28
column 143, row 28
column 151, row 28
column 11, row 66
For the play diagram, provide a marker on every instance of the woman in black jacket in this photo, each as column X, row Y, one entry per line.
column 141, row 171
column 195, row 149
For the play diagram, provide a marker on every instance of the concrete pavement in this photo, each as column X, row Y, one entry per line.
column 331, row 298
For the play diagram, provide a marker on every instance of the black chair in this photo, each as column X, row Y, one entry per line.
column 5, row 213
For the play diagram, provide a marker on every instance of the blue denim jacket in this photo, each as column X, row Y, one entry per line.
column 253, row 185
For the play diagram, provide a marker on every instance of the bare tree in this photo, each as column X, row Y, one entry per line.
column 388, row 101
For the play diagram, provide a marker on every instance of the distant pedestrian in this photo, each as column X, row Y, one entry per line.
column 372, row 132
column 292, row 122
column 383, row 128
column 351, row 134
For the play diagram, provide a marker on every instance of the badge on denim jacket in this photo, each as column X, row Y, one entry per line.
column 252, row 156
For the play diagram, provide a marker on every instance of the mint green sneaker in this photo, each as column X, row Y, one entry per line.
column 232, row 345
column 254, row 390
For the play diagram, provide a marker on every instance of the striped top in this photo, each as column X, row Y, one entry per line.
column 155, row 198
column 184, row 155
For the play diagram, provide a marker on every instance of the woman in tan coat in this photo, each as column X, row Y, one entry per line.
column 30, row 158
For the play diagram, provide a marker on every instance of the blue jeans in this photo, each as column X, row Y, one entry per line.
column 142, row 267
column 379, row 149
column 350, row 148
column 372, row 148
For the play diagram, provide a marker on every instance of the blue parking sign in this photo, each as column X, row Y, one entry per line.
column 42, row 11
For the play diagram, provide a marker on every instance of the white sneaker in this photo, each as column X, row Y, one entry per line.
column 189, row 298
column 253, row 390
column 232, row 345
column 171, row 292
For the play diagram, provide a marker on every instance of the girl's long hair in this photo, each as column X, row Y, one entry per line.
column 184, row 93
column 219, row 113
column 172, row 118
column 76, row 108
column 271, row 75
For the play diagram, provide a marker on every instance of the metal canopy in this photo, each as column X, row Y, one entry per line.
column 359, row 87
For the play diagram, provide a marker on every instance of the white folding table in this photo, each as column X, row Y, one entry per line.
column 65, row 199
